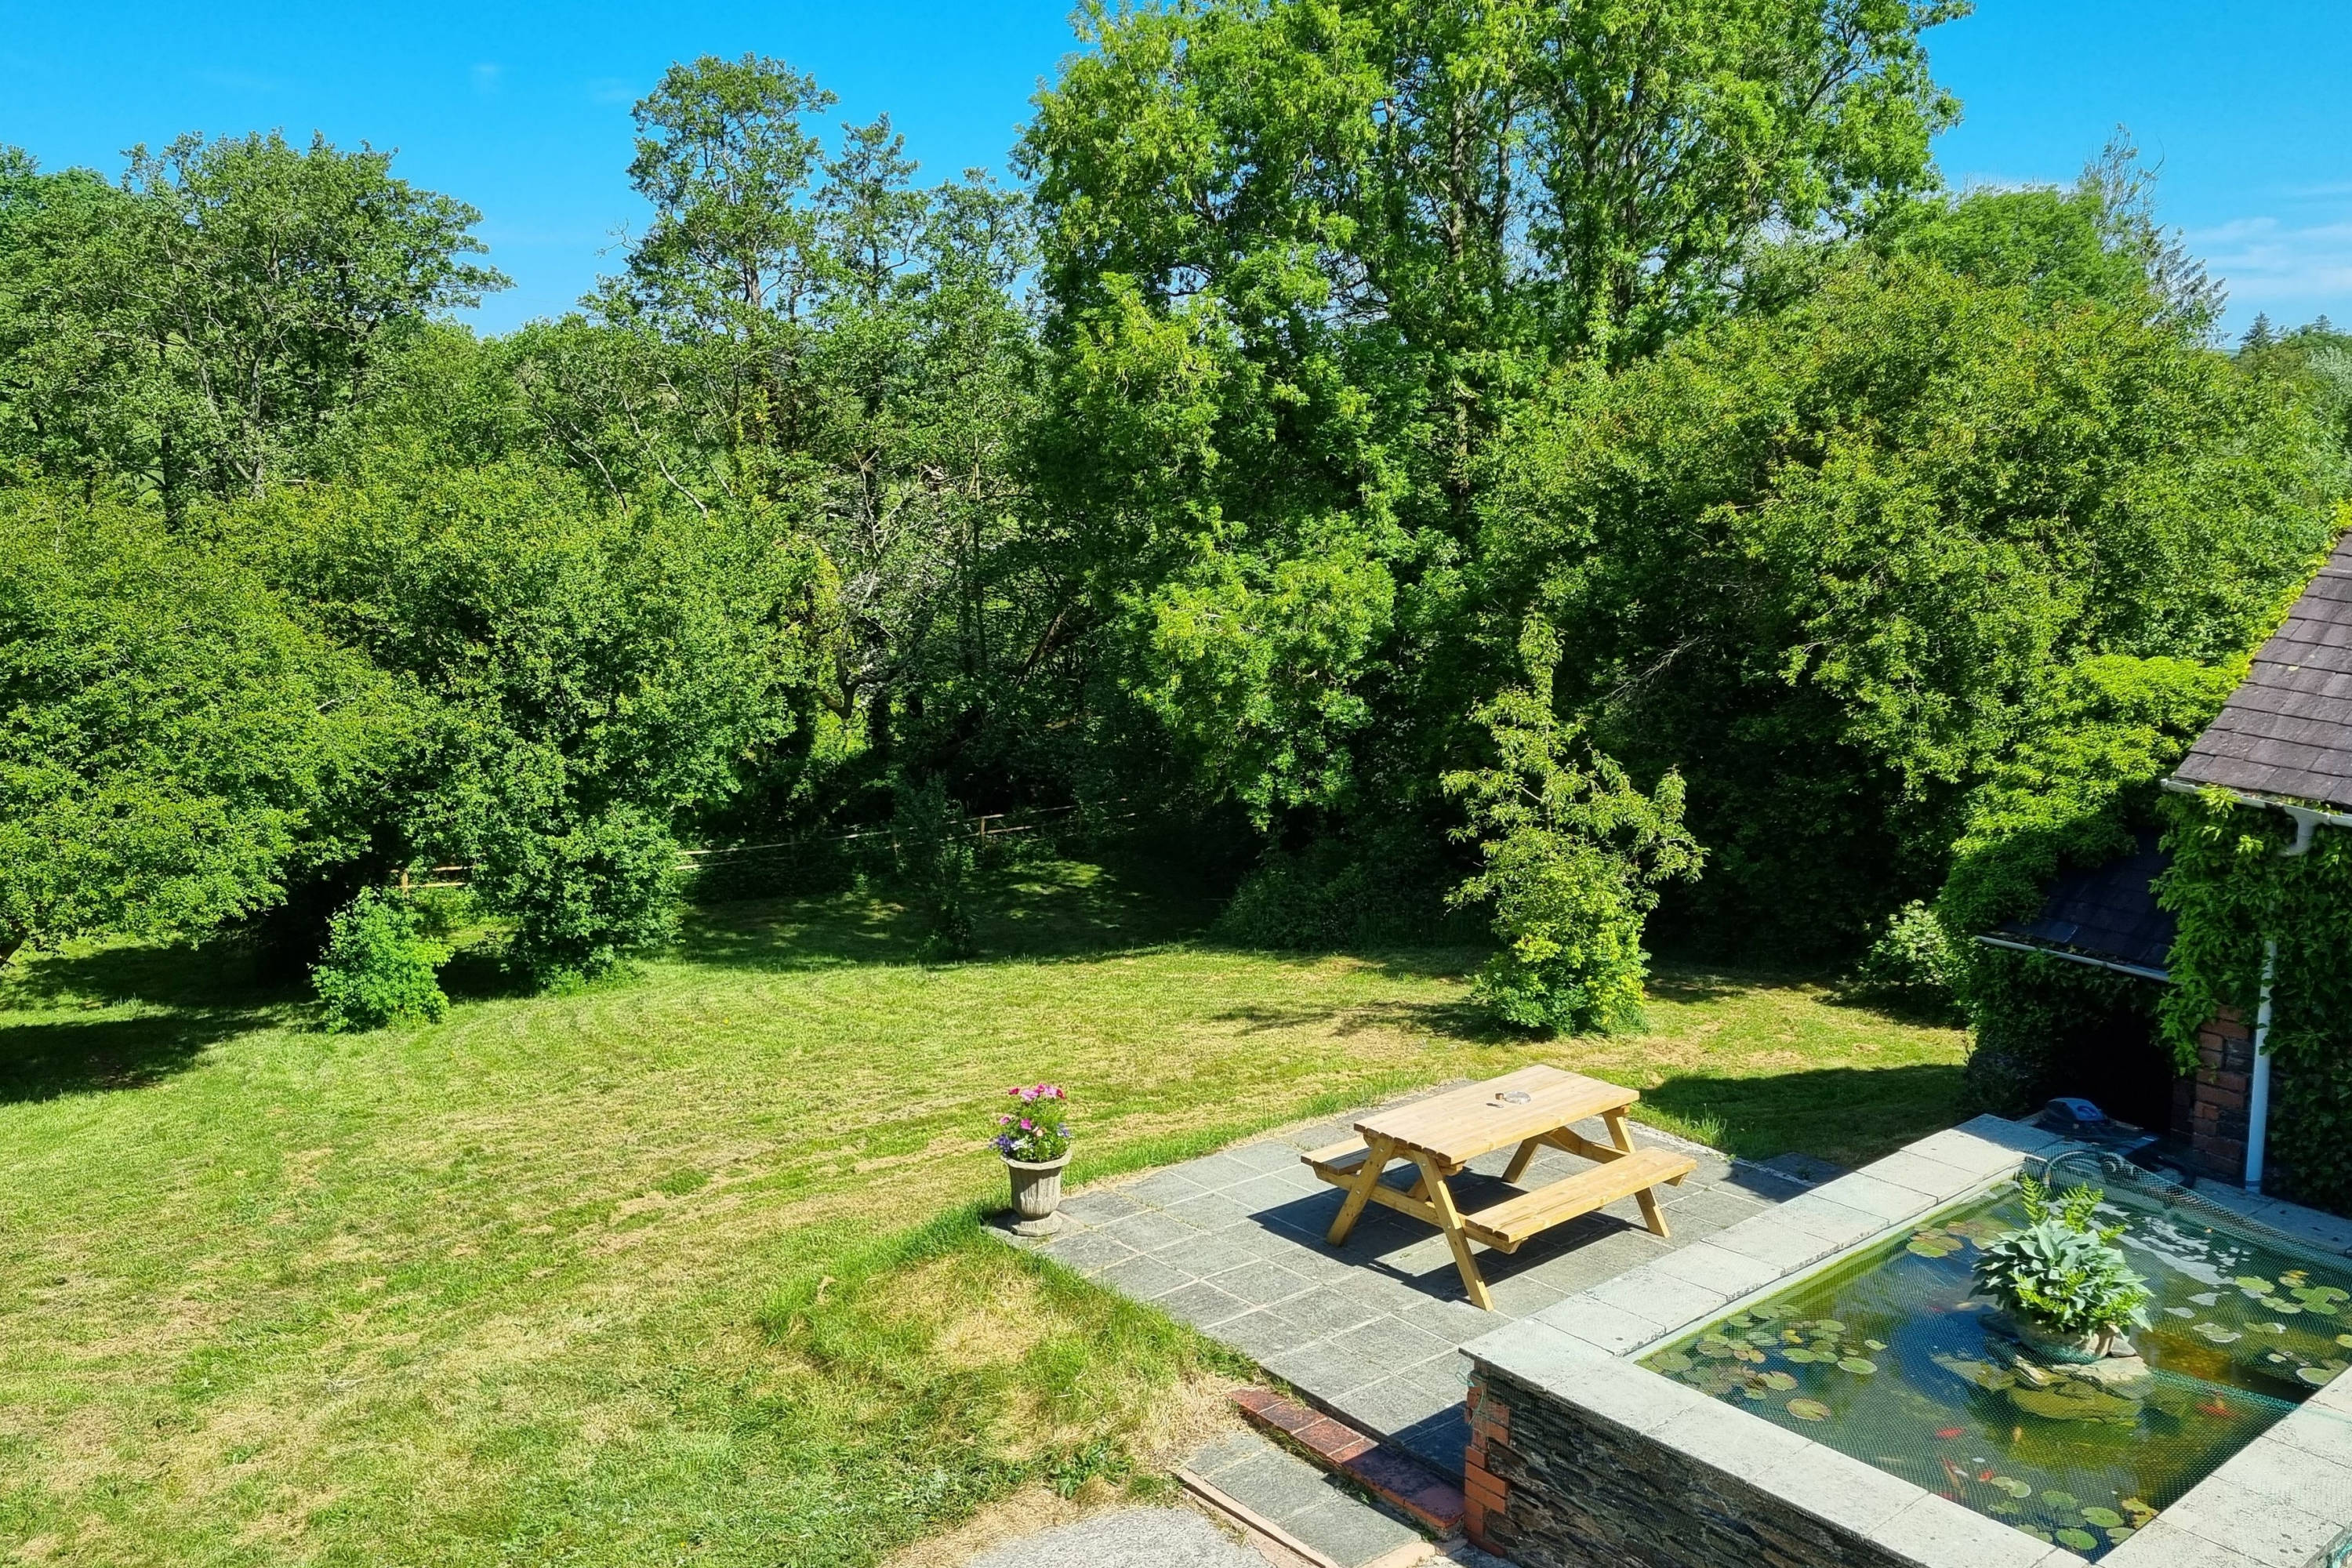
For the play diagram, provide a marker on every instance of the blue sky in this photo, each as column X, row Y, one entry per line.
column 524, row 110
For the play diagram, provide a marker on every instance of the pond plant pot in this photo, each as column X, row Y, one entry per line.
column 2068, row 1349
column 1036, row 1194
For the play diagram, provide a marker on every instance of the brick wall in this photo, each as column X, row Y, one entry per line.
column 2210, row 1110
column 1553, row 1485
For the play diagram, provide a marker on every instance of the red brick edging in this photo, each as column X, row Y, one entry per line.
column 1400, row 1482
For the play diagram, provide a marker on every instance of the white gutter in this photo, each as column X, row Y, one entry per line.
column 2258, row 1089
column 2134, row 970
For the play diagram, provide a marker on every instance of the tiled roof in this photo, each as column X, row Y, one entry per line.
column 2287, row 730
column 2107, row 914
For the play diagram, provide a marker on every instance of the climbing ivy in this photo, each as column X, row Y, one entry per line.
column 2072, row 793
column 2232, row 892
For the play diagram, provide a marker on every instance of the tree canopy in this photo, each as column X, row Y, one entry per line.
column 1577, row 462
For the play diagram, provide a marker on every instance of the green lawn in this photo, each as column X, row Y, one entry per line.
column 680, row 1269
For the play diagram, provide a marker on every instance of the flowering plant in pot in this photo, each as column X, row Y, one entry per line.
column 1035, row 1139
column 2067, row 1289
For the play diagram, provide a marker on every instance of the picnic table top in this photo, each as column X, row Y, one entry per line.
column 1462, row 1124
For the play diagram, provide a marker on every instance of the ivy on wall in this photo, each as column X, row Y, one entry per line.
column 2071, row 793
column 2232, row 892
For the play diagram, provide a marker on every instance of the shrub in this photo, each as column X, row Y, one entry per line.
column 380, row 965
column 1910, row 964
column 1573, row 854
column 583, row 898
column 1382, row 886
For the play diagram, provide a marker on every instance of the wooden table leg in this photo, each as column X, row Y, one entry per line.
column 1449, row 1220
column 1518, row 1165
column 1378, row 1153
column 1651, row 1214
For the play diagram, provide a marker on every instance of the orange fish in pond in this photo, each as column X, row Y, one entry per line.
column 2214, row 1406
column 1984, row 1475
column 1949, row 1433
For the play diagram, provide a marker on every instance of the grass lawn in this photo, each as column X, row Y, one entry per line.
column 681, row 1270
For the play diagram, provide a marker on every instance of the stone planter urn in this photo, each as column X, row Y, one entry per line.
column 1036, row 1194
column 2068, row 1349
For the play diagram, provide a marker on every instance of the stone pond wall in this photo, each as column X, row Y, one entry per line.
column 1552, row 1486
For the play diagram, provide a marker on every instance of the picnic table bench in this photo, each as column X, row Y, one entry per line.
column 1533, row 1108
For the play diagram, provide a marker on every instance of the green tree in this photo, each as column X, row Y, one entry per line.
column 1830, row 561
column 1303, row 260
column 599, row 678
column 196, row 330
column 174, row 745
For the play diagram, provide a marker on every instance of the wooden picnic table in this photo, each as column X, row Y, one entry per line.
column 1533, row 1107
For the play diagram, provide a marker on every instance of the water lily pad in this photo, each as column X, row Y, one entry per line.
column 2080, row 1540
column 2104, row 1518
column 2216, row 1332
column 1861, row 1366
column 2013, row 1486
column 1673, row 1361
column 2182, row 1312
column 2067, row 1500
column 1780, row 1381
column 1798, row 1354
column 2317, row 1376
column 2034, row 1530
column 2253, row 1284
column 1827, row 1326
column 2344, row 1340
column 1874, row 1344
column 2282, row 1307
column 1754, row 1391
column 2206, row 1298
column 1809, row 1410
column 2136, row 1511
column 1933, row 1242
column 2120, row 1534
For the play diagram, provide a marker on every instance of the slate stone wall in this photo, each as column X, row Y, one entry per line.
column 1550, row 1485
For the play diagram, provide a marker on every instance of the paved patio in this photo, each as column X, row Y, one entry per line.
column 1233, row 1245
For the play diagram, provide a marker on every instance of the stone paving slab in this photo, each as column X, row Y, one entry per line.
column 1309, row 1505
column 1130, row 1538
column 1233, row 1244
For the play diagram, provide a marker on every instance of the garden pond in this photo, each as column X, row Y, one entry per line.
column 1887, row 1357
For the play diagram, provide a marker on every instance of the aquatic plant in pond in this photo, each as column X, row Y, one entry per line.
column 1892, row 1358
column 2061, row 1278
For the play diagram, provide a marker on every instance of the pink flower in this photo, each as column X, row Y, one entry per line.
column 1024, row 1124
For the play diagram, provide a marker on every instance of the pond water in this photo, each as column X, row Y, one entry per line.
column 1888, row 1358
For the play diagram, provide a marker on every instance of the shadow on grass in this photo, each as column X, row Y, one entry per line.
column 216, row 976
column 1061, row 910
column 1850, row 1115
column 44, row 1061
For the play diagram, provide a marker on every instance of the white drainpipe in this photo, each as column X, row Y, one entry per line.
column 2258, row 1093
